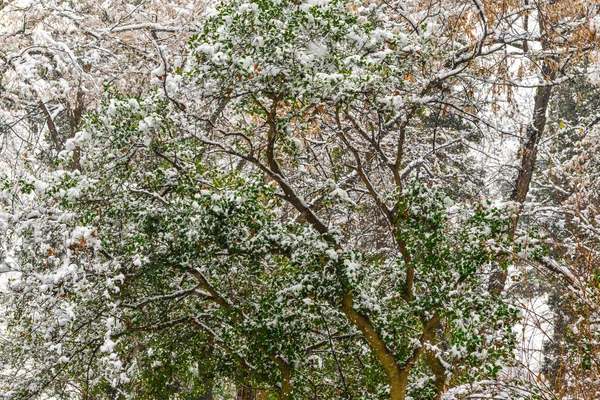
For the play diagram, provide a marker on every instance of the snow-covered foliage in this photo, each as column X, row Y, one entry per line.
column 293, row 202
column 149, row 240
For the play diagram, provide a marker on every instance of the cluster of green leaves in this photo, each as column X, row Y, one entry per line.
column 451, row 247
column 301, row 52
column 170, row 248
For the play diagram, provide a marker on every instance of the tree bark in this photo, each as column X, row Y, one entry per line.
column 396, row 376
column 533, row 135
column 529, row 151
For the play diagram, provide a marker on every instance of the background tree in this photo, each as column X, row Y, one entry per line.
column 57, row 57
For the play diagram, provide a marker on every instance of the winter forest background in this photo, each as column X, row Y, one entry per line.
column 299, row 199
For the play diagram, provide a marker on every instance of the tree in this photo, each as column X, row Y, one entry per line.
column 293, row 202
column 57, row 57
column 569, row 212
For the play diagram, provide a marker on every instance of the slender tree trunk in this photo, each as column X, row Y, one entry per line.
column 286, row 377
column 286, row 384
column 529, row 149
column 397, row 377
column 439, row 372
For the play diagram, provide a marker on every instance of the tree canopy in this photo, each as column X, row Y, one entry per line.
column 322, row 199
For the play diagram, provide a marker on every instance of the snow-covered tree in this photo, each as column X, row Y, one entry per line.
column 296, row 204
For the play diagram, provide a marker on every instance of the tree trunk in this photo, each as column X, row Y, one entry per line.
column 530, row 147
column 286, row 385
column 529, row 150
column 397, row 377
